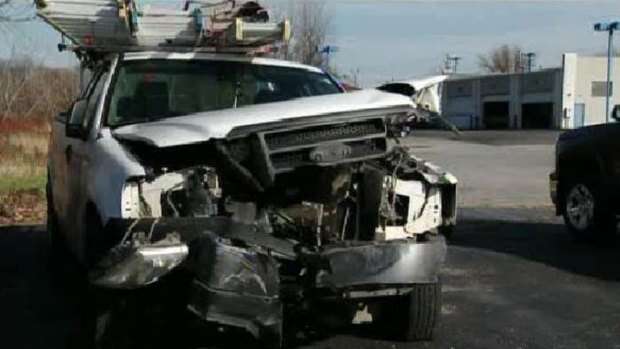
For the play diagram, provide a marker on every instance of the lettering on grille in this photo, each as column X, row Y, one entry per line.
column 323, row 134
column 324, row 145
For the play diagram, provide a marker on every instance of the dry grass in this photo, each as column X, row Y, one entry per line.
column 23, row 158
column 30, row 95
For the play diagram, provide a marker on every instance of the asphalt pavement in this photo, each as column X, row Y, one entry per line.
column 514, row 278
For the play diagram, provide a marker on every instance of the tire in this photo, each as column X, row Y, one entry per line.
column 586, row 212
column 412, row 317
column 424, row 306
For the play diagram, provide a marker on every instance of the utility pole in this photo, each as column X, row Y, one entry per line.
column 452, row 63
column 529, row 57
column 608, row 27
column 328, row 50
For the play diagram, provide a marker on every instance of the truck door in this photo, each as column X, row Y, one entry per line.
column 60, row 146
column 606, row 144
column 613, row 156
column 57, row 175
column 76, row 156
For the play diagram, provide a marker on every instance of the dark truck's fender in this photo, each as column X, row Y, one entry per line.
column 577, row 157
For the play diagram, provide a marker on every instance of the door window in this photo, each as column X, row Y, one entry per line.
column 80, row 107
column 94, row 100
column 85, row 109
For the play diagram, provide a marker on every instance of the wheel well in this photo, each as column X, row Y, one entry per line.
column 93, row 232
column 573, row 169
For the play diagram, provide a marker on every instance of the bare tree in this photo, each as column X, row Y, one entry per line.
column 310, row 21
column 502, row 59
column 30, row 90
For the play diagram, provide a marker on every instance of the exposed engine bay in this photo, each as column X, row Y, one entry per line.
column 304, row 184
column 271, row 219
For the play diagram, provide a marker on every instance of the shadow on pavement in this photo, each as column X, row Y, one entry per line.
column 546, row 242
column 39, row 302
column 41, row 310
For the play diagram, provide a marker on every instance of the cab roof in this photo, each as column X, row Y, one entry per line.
column 134, row 56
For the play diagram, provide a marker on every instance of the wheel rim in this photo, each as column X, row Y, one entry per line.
column 580, row 207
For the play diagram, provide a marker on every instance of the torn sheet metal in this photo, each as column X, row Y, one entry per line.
column 236, row 286
column 425, row 93
column 190, row 230
column 395, row 263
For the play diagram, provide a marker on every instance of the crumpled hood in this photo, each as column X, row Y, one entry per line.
column 201, row 127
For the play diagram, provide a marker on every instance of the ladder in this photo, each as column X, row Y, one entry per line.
column 127, row 25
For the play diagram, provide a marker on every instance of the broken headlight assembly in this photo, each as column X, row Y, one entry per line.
column 134, row 265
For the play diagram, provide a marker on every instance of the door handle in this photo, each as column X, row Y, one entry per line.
column 69, row 153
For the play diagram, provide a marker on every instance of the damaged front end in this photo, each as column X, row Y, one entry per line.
column 278, row 216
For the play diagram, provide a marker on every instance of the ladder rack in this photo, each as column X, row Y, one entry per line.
column 104, row 26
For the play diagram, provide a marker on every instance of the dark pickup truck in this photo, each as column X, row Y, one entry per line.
column 585, row 186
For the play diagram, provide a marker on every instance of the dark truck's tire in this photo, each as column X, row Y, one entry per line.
column 586, row 212
column 412, row 317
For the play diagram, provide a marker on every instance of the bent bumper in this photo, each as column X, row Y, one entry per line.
column 237, row 278
column 378, row 265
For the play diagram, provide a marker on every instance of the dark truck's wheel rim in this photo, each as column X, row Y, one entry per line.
column 580, row 207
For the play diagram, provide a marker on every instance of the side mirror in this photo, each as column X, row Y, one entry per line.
column 616, row 112
column 64, row 116
column 74, row 128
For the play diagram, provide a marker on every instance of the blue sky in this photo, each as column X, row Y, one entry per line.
column 396, row 39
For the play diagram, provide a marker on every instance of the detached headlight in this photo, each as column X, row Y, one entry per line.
column 130, row 267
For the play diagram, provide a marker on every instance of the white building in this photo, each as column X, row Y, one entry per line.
column 584, row 92
column 567, row 97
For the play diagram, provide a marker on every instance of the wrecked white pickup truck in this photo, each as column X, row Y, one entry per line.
column 253, row 192
column 271, row 197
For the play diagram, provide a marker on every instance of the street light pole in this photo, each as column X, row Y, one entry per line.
column 530, row 56
column 610, row 59
column 610, row 28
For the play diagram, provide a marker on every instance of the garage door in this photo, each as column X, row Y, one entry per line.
column 496, row 115
column 537, row 115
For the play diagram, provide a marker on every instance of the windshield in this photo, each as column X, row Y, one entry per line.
column 156, row 89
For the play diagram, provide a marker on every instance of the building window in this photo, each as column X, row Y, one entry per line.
column 599, row 90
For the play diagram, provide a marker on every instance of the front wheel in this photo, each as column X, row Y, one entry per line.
column 586, row 212
column 412, row 317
